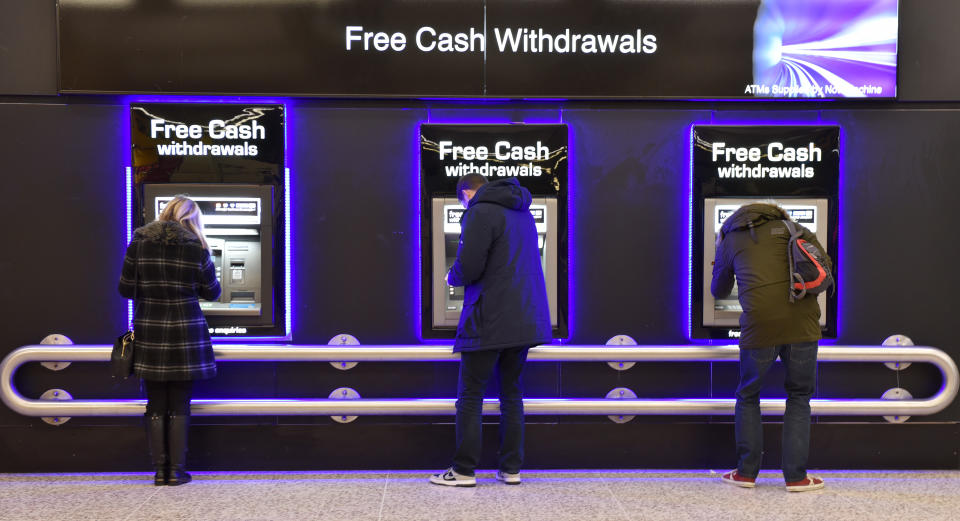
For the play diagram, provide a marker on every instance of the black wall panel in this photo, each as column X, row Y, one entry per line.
column 928, row 51
column 630, row 230
column 353, row 170
column 354, row 186
column 65, row 237
column 28, row 47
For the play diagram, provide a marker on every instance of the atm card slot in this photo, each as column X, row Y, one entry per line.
column 241, row 309
column 243, row 296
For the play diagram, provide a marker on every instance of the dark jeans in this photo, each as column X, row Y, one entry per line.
column 475, row 370
column 800, row 362
column 168, row 398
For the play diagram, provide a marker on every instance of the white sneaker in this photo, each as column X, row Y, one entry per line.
column 452, row 479
column 509, row 479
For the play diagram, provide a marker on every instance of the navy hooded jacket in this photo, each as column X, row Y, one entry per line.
column 498, row 262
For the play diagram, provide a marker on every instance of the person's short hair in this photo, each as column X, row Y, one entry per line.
column 469, row 182
column 774, row 203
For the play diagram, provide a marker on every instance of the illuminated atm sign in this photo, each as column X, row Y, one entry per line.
column 207, row 131
column 769, row 159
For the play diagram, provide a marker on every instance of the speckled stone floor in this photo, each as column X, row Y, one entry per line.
column 548, row 495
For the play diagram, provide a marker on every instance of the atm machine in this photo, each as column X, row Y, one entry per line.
column 446, row 214
column 811, row 213
column 533, row 154
column 238, row 224
column 795, row 166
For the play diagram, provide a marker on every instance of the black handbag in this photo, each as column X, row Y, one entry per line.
column 121, row 358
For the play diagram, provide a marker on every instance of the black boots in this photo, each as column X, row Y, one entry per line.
column 156, row 442
column 177, row 427
column 167, row 441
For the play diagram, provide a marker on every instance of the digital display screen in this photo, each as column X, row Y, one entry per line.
column 825, row 49
column 221, row 210
column 802, row 214
column 539, row 215
column 454, row 215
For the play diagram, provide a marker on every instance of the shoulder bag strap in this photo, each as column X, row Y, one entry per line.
column 136, row 281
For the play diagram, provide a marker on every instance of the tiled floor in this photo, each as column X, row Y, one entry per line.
column 547, row 495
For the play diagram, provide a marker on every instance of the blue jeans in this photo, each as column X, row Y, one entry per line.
column 475, row 370
column 800, row 362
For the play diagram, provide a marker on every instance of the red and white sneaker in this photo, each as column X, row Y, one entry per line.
column 734, row 478
column 808, row 483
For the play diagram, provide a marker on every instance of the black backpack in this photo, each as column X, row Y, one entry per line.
column 809, row 274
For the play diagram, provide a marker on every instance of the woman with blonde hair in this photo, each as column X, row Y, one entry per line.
column 166, row 270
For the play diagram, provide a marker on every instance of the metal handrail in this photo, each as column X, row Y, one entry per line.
column 533, row 406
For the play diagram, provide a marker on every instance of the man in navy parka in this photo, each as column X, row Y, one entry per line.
column 505, row 312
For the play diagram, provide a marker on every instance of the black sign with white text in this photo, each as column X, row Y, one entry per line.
column 766, row 160
column 200, row 138
column 535, row 154
column 483, row 48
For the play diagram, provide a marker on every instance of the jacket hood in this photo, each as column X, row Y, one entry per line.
column 165, row 232
column 505, row 192
column 752, row 215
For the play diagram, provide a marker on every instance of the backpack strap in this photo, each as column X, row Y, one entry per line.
column 795, row 233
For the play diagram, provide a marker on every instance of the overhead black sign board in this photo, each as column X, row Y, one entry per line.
column 482, row 48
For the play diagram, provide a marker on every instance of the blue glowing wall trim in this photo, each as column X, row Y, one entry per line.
column 417, row 236
column 468, row 100
column 287, row 196
column 571, row 235
column 838, row 267
column 689, row 289
column 288, row 246
column 129, row 205
column 418, row 239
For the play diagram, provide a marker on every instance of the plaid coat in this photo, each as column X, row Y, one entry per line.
column 171, row 338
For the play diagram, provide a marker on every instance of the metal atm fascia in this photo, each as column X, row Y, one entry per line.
column 445, row 238
column 811, row 213
column 241, row 246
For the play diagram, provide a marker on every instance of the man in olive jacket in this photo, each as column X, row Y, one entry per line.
column 752, row 250
column 505, row 312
